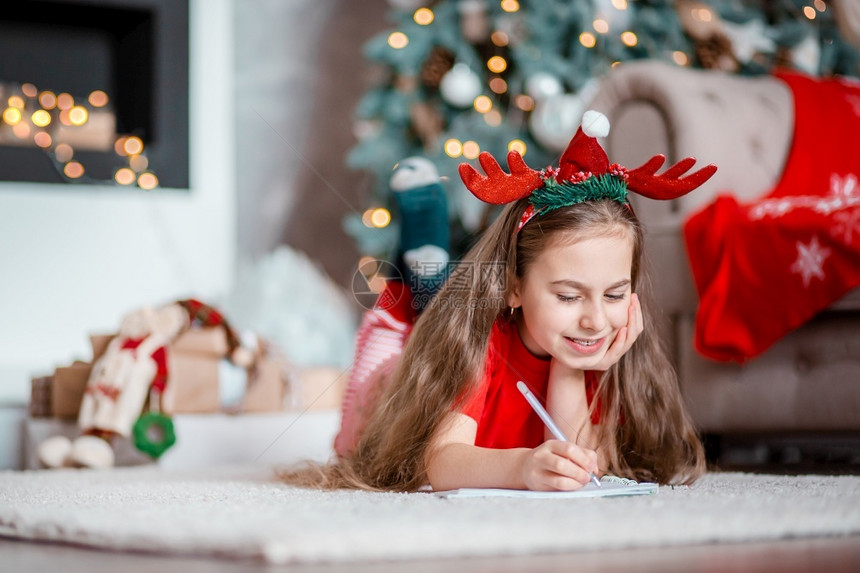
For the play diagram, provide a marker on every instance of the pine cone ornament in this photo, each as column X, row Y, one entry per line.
column 436, row 66
column 715, row 53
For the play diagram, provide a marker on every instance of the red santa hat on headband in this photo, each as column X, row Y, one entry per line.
column 583, row 159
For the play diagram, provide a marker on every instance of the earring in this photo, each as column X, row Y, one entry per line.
column 511, row 312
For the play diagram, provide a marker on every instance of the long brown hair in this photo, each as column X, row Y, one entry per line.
column 444, row 356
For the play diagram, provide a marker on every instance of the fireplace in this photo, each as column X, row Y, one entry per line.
column 135, row 51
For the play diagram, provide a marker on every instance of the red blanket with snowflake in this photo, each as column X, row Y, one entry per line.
column 765, row 267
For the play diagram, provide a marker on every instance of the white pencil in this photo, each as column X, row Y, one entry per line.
column 547, row 419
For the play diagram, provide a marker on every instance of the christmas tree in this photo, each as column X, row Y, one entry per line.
column 466, row 76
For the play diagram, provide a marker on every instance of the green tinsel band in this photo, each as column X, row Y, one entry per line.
column 554, row 195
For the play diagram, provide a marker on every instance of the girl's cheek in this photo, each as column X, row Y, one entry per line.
column 618, row 316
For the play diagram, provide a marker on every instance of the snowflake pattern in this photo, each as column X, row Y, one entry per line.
column 846, row 225
column 810, row 260
column 844, row 193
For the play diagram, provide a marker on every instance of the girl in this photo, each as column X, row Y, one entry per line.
column 546, row 296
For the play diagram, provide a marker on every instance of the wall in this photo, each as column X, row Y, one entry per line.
column 300, row 74
column 74, row 258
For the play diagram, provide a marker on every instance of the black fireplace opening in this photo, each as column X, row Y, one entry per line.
column 134, row 50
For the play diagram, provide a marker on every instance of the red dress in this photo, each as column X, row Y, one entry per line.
column 505, row 419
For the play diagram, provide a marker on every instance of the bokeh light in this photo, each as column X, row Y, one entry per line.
column 453, row 148
column 73, row 170
column 398, row 40
column 423, row 16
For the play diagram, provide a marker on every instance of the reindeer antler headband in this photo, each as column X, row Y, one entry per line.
column 583, row 174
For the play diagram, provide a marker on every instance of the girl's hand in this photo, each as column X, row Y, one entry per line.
column 558, row 466
column 626, row 336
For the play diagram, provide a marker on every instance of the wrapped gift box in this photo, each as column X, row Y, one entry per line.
column 196, row 375
column 40, row 397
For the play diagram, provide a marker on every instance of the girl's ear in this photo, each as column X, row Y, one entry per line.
column 514, row 295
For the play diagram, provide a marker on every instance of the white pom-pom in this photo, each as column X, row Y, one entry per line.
column 595, row 124
column 413, row 172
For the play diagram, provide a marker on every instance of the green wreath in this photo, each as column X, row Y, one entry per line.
column 153, row 434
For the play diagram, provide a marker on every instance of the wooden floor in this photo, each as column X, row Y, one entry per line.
column 831, row 555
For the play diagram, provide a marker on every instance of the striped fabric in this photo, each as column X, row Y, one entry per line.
column 379, row 343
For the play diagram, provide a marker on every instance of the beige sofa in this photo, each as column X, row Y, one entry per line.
column 810, row 380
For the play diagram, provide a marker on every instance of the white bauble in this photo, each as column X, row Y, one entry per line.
column 543, row 85
column 413, row 172
column 554, row 121
column 460, row 86
column 618, row 20
column 806, row 56
column 749, row 39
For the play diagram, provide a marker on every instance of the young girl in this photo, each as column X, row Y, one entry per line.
column 547, row 296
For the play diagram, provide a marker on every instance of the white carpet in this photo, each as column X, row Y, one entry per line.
column 243, row 513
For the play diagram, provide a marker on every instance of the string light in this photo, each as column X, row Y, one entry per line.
column 65, row 101
column 12, row 115
column 73, row 170
column 64, row 117
column 365, row 263
column 493, row 118
column 499, row 38
column 453, row 148
column 809, row 12
column 45, row 110
column 600, row 26
column 21, row 130
column 98, row 98
column 483, row 104
column 124, row 176
column 423, row 16
column 525, row 102
column 629, row 39
column 365, row 218
column 64, row 152
column 380, row 217
column 820, row 5
column 48, row 100
column 702, row 14
column 132, row 145
column 517, row 145
column 119, row 146
column 41, row 118
column 497, row 64
column 587, row 39
column 375, row 217
column 78, row 115
column 43, row 139
column 510, row 5
column 498, row 85
column 680, row 58
column 619, row 4
column 147, row 181
column 471, row 149
column 138, row 162
column 398, row 40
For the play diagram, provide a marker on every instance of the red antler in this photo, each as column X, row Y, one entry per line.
column 669, row 184
column 497, row 187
